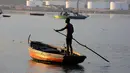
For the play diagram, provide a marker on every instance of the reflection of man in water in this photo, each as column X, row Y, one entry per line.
column 73, row 69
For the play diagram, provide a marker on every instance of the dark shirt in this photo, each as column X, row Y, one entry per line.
column 70, row 30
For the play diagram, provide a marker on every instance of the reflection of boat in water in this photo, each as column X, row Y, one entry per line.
column 37, row 67
column 51, row 54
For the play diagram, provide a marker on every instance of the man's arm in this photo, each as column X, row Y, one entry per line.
column 62, row 29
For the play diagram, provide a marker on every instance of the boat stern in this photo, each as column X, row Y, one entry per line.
column 73, row 59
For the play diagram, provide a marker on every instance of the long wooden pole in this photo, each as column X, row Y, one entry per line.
column 86, row 47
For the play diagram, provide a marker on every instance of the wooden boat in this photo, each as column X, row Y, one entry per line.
column 52, row 54
column 37, row 14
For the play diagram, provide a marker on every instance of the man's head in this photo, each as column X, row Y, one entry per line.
column 67, row 20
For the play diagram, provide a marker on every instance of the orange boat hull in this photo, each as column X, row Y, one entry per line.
column 45, row 56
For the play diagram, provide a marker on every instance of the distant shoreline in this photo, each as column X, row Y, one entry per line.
column 82, row 11
column 105, row 11
column 59, row 8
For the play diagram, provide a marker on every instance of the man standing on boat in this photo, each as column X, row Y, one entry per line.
column 69, row 36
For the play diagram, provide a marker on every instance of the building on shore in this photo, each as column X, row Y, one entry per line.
column 34, row 3
column 90, row 4
column 97, row 5
column 37, row 3
column 108, row 4
column 40, row 3
column 119, row 6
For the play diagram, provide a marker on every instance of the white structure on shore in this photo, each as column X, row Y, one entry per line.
column 98, row 5
column 119, row 6
column 34, row 3
column 47, row 2
column 67, row 3
column 39, row 3
column 91, row 4
column 112, row 5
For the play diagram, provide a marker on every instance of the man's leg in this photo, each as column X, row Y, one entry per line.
column 67, row 43
column 71, row 49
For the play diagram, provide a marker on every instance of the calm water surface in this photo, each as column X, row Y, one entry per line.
column 107, row 34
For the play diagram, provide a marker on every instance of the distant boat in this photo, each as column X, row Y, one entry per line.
column 37, row 14
column 71, row 14
column 76, row 14
column 78, row 17
column 6, row 15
